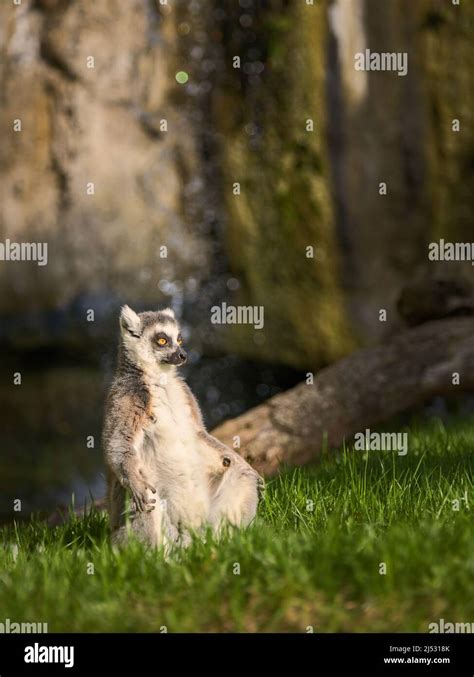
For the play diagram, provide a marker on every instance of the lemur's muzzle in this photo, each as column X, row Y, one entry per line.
column 178, row 357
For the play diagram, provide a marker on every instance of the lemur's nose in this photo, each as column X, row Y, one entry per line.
column 177, row 358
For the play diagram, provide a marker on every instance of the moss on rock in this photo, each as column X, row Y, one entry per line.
column 284, row 205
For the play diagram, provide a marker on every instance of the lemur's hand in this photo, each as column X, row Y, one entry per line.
column 138, row 485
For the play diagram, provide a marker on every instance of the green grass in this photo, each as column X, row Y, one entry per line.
column 301, row 563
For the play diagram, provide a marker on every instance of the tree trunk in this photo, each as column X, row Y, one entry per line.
column 364, row 389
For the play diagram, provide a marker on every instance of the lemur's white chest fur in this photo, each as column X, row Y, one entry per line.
column 172, row 455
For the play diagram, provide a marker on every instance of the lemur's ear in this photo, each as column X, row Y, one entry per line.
column 129, row 321
column 169, row 311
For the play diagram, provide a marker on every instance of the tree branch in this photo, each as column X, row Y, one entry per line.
column 362, row 390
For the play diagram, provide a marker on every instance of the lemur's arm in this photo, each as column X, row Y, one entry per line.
column 199, row 421
column 227, row 454
column 124, row 438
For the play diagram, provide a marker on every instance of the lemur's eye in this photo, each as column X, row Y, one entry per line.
column 180, row 340
column 162, row 341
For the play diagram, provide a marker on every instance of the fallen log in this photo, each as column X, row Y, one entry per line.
column 362, row 390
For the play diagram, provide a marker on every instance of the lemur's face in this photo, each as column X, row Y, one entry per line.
column 152, row 338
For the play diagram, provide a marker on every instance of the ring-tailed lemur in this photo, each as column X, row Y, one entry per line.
column 157, row 448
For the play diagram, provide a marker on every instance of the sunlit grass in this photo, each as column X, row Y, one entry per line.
column 312, row 558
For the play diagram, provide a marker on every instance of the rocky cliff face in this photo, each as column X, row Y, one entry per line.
column 324, row 187
column 115, row 160
column 104, row 160
column 399, row 130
